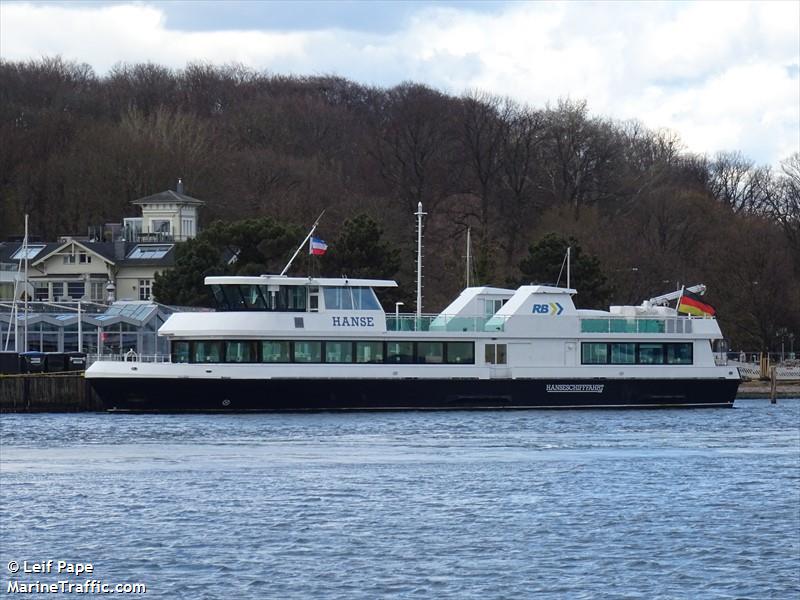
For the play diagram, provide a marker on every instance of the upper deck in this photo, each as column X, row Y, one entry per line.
column 333, row 307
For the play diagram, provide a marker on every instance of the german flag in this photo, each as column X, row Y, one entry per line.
column 693, row 304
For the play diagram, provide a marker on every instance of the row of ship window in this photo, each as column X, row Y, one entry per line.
column 311, row 351
column 629, row 353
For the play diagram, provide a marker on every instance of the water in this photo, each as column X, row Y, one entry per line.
column 594, row 504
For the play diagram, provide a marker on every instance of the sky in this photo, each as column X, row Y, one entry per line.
column 725, row 76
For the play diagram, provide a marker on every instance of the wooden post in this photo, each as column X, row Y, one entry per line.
column 773, row 386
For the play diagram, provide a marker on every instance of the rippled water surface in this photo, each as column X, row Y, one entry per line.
column 571, row 504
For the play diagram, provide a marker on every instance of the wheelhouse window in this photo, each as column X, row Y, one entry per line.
column 308, row 352
column 253, row 300
column 240, row 351
column 350, row 298
column 275, row 352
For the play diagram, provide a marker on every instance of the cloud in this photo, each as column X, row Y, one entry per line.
column 723, row 75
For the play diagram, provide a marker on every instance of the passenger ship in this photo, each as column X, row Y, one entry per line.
column 282, row 343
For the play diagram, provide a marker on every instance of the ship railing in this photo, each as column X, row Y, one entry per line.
column 438, row 322
column 636, row 325
column 128, row 357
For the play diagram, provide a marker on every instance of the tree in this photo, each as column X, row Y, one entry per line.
column 248, row 247
column 544, row 263
column 359, row 251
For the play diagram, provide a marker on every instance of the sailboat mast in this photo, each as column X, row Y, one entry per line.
column 25, row 287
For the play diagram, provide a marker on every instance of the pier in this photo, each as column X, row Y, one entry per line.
column 47, row 392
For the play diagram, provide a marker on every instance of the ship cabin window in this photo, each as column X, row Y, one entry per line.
column 679, row 354
column 308, row 352
column 180, row 352
column 643, row 353
column 460, row 353
column 369, row 352
column 430, row 352
column 240, row 352
column 495, row 354
column 350, row 298
column 594, row 353
column 400, row 352
column 623, row 354
column 330, row 352
column 207, row 352
column 338, row 352
column 313, row 298
column 651, row 354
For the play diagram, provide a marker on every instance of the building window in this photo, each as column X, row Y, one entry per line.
column 160, row 225
column 69, row 259
column 97, row 290
column 41, row 291
column 187, row 226
column 76, row 289
column 84, row 259
column 145, row 289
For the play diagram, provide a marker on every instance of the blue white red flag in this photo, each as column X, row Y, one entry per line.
column 317, row 246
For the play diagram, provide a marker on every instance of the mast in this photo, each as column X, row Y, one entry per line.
column 469, row 229
column 569, row 254
column 303, row 243
column 419, row 214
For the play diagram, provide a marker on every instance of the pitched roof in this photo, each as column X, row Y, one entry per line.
column 99, row 248
column 169, row 196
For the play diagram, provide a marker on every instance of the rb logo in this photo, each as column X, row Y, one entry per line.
column 541, row 309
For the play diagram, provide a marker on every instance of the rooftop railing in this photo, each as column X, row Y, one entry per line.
column 433, row 322
column 636, row 325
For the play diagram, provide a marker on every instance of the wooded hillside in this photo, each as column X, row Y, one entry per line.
column 78, row 147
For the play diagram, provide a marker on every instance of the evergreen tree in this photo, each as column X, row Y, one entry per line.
column 247, row 247
column 544, row 262
column 360, row 251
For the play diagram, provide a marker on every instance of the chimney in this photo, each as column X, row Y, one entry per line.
column 179, row 187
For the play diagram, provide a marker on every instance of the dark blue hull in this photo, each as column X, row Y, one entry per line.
column 188, row 395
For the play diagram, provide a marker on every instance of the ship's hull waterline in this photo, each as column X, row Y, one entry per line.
column 297, row 395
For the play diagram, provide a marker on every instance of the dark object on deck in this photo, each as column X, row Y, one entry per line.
column 9, row 363
column 55, row 362
column 75, row 361
column 32, row 362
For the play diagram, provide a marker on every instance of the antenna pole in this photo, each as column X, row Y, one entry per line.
column 419, row 214
column 468, row 256
column 569, row 254
column 303, row 243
